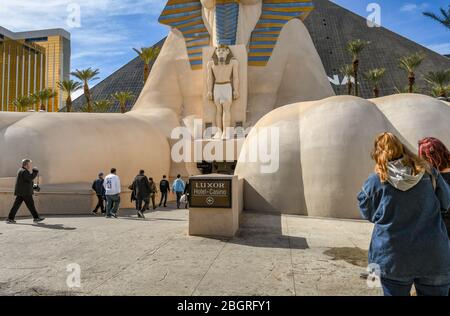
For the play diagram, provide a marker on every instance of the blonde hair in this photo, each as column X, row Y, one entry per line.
column 388, row 147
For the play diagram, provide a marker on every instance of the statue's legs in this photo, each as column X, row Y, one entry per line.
column 219, row 110
column 223, row 98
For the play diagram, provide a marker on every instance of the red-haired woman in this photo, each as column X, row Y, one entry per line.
column 404, row 199
column 434, row 151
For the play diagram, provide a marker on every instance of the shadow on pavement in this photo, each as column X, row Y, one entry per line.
column 48, row 226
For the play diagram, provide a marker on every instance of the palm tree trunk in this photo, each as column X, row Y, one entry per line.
column 412, row 81
column 349, row 86
column 69, row 104
column 87, row 95
column 146, row 72
column 122, row 108
column 376, row 92
column 42, row 106
column 355, row 73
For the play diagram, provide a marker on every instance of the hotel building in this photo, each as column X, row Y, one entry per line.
column 33, row 61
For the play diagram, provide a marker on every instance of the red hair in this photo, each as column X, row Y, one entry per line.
column 434, row 151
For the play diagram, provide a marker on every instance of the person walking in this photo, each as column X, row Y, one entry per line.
column 99, row 190
column 153, row 191
column 404, row 199
column 187, row 192
column 24, row 192
column 142, row 192
column 112, row 192
column 436, row 153
column 164, row 188
column 178, row 188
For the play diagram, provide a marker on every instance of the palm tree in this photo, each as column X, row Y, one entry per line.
column 410, row 64
column 147, row 54
column 347, row 72
column 102, row 106
column 355, row 48
column 69, row 87
column 439, row 80
column 123, row 97
column 42, row 97
column 85, row 76
column 374, row 76
column 23, row 103
column 444, row 19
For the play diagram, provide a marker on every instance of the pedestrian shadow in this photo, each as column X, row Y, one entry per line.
column 48, row 226
column 150, row 219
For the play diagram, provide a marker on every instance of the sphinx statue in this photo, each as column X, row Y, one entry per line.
column 283, row 67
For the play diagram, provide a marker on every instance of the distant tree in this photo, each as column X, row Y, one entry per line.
column 443, row 18
column 147, row 54
column 439, row 81
column 42, row 97
column 23, row 103
column 69, row 87
column 355, row 48
column 410, row 64
column 374, row 76
column 123, row 97
column 102, row 106
column 87, row 75
column 347, row 72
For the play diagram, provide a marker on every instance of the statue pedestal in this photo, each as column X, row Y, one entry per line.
column 216, row 203
column 239, row 106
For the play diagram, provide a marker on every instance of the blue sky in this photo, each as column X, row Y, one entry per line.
column 107, row 30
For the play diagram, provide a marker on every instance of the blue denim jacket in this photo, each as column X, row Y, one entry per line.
column 409, row 237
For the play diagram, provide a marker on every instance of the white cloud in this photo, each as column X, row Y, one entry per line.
column 443, row 48
column 412, row 7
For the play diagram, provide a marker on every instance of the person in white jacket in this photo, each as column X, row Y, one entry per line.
column 113, row 189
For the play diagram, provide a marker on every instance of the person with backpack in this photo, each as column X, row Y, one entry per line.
column 404, row 198
column 164, row 188
column 178, row 188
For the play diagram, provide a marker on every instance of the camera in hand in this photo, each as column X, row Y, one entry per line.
column 36, row 187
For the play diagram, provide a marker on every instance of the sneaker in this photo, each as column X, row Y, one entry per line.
column 38, row 220
column 141, row 214
column 94, row 212
column 10, row 221
column 107, row 216
column 154, row 207
column 114, row 215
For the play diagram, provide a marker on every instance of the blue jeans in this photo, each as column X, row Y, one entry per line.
column 112, row 204
column 425, row 286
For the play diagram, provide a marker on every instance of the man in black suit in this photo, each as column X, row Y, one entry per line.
column 142, row 191
column 24, row 192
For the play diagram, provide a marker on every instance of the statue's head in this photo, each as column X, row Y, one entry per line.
column 209, row 4
column 222, row 54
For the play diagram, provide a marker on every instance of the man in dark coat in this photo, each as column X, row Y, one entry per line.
column 164, row 187
column 142, row 191
column 97, row 186
column 24, row 192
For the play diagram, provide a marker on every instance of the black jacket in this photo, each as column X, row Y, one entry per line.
column 97, row 186
column 164, row 186
column 141, row 187
column 24, row 182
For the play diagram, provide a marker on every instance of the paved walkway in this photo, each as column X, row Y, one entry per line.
column 273, row 255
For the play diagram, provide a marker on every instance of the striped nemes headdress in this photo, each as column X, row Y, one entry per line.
column 186, row 16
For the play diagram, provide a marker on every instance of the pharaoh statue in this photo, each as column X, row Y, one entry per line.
column 223, row 85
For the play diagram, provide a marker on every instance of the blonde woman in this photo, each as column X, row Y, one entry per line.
column 404, row 198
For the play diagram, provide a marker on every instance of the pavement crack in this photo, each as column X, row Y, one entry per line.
column 209, row 267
